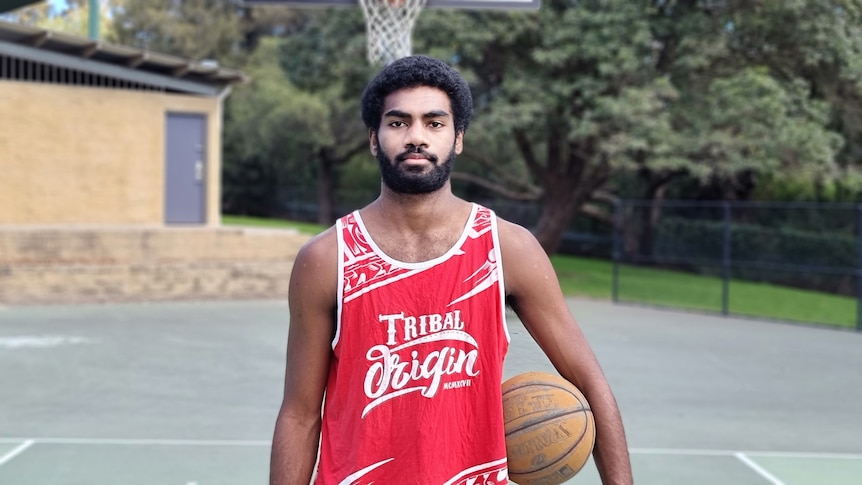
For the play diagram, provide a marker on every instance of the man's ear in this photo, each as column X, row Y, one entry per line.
column 372, row 142
column 459, row 142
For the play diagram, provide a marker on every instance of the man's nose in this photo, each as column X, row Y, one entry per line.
column 416, row 136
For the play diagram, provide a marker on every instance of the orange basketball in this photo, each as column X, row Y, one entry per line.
column 550, row 430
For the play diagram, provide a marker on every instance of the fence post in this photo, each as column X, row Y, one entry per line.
column 859, row 268
column 617, row 251
column 725, row 261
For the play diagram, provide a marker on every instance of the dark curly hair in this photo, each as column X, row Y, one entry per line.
column 411, row 72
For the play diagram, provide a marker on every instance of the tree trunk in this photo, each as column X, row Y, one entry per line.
column 650, row 217
column 562, row 201
column 327, row 161
column 325, row 192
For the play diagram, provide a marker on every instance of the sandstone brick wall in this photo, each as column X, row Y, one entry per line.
column 50, row 265
column 74, row 154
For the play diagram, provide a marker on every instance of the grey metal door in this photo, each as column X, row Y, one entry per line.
column 185, row 169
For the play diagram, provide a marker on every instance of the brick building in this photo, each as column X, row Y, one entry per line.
column 93, row 133
column 110, row 161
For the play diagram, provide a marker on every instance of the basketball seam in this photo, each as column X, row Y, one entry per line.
column 562, row 455
column 561, row 387
column 545, row 417
column 541, row 417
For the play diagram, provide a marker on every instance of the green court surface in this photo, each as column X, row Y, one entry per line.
column 186, row 393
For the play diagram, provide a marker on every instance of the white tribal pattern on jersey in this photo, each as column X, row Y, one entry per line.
column 413, row 394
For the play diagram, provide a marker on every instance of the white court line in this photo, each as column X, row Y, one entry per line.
column 759, row 469
column 156, row 442
column 12, row 454
column 634, row 451
column 764, row 454
column 40, row 341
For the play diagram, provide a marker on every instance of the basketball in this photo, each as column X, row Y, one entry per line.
column 550, row 429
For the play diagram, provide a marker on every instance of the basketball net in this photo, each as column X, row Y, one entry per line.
column 389, row 24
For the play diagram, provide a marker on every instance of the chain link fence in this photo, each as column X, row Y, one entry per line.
column 736, row 251
column 808, row 246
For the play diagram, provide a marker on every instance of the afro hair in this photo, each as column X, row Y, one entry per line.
column 416, row 71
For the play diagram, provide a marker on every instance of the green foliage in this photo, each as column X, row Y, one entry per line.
column 358, row 182
column 320, row 60
column 197, row 29
column 594, row 89
column 326, row 52
column 325, row 59
column 803, row 189
column 818, row 41
column 271, row 132
column 580, row 75
column 752, row 122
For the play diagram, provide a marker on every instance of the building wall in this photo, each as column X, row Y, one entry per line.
column 120, row 264
column 88, row 155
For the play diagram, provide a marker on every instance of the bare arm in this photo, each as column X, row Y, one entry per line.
column 312, row 302
column 534, row 293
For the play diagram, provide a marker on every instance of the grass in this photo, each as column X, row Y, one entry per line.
column 593, row 278
column 303, row 227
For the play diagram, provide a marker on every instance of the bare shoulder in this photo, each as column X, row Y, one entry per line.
column 525, row 263
column 315, row 270
column 322, row 247
column 516, row 237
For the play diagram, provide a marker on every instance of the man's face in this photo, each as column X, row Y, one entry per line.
column 416, row 143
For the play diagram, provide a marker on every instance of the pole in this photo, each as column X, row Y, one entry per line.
column 93, row 19
column 617, row 251
column 859, row 268
column 725, row 261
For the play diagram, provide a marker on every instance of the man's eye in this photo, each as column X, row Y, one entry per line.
column 436, row 124
column 397, row 124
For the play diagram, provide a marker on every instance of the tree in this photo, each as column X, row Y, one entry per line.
column 197, row 29
column 577, row 91
column 592, row 89
column 223, row 30
column 267, row 143
column 815, row 41
column 321, row 59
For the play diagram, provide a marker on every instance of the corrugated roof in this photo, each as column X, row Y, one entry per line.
column 118, row 55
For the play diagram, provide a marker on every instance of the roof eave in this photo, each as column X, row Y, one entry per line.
column 122, row 62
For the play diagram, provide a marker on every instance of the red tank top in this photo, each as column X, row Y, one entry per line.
column 413, row 395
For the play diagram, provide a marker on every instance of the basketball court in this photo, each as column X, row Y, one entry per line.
column 187, row 393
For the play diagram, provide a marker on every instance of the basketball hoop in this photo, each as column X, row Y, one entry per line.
column 389, row 24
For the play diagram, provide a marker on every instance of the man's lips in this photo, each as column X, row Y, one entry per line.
column 415, row 158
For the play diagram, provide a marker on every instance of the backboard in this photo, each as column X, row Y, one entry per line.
column 456, row 4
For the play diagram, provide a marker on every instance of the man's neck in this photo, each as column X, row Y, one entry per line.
column 416, row 227
column 417, row 212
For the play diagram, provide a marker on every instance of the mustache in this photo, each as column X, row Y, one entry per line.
column 416, row 151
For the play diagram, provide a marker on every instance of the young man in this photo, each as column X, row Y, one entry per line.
column 397, row 315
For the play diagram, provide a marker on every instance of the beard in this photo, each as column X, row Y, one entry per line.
column 409, row 180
